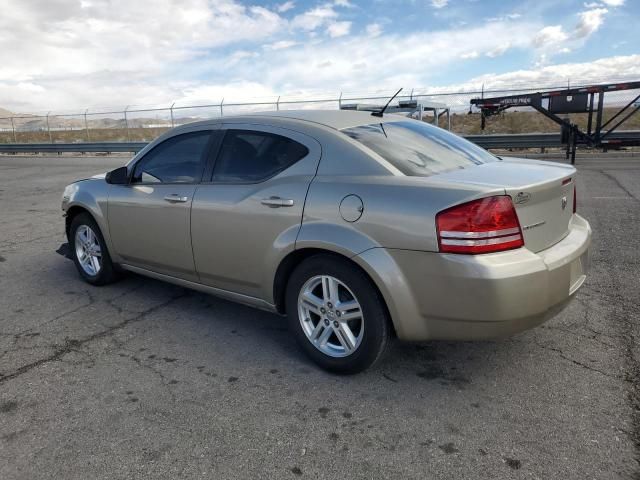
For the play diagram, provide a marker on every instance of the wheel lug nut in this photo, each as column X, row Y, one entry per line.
column 326, row 322
column 335, row 324
column 323, row 310
column 338, row 313
column 329, row 305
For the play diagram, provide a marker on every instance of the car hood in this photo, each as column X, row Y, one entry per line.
column 99, row 176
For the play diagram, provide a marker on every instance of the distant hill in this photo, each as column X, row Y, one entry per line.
column 5, row 113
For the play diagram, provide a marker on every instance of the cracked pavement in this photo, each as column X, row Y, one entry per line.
column 142, row 379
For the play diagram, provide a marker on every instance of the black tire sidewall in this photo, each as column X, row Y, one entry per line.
column 376, row 327
column 106, row 273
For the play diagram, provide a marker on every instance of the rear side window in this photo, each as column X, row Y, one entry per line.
column 418, row 149
column 252, row 156
column 179, row 159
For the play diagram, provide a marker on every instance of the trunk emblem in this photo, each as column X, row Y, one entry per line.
column 564, row 202
column 522, row 197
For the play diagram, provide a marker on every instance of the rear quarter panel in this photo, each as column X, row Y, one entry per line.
column 399, row 211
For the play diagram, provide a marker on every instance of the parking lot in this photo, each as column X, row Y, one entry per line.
column 144, row 379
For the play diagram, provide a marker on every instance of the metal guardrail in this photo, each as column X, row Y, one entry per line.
column 527, row 140
column 539, row 140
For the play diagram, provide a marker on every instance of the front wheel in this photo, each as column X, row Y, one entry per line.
column 337, row 315
column 89, row 251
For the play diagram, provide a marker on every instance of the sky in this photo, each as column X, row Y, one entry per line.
column 66, row 55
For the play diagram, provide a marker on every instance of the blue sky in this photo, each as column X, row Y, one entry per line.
column 68, row 54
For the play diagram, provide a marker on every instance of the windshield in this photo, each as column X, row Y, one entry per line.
column 419, row 149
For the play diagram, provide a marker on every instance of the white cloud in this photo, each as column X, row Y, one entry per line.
column 439, row 3
column 338, row 29
column 498, row 50
column 388, row 59
column 541, row 61
column 551, row 35
column 84, row 66
column 314, row 18
column 39, row 37
column 241, row 55
column 469, row 55
column 553, row 39
column 203, row 94
column 604, row 3
column 610, row 69
column 101, row 52
column 502, row 18
column 589, row 22
column 60, row 56
column 286, row 6
column 30, row 87
column 374, row 29
column 281, row 44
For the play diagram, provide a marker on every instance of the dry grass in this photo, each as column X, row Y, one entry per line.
column 95, row 135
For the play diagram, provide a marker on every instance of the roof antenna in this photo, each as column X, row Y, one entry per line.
column 381, row 112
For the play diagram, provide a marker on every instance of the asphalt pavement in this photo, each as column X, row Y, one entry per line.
column 142, row 379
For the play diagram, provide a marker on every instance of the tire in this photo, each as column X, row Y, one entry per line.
column 309, row 309
column 91, row 235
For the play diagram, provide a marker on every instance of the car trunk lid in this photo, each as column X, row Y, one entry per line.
column 542, row 193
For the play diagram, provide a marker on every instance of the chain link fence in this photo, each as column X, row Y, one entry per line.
column 138, row 123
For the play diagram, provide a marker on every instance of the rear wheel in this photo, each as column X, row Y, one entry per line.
column 337, row 314
column 90, row 252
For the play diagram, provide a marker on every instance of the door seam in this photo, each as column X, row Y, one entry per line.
column 304, row 205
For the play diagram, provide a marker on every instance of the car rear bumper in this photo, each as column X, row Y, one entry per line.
column 476, row 297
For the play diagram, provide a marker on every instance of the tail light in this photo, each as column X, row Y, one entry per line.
column 575, row 200
column 481, row 226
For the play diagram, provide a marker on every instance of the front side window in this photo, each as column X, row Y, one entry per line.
column 418, row 149
column 179, row 159
column 253, row 156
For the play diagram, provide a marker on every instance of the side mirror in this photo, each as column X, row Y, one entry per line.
column 119, row 176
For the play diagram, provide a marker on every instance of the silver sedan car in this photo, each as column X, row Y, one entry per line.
column 359, row 228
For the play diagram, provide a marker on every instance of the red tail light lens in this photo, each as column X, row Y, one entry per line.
column 575, row 200
column 481, row 226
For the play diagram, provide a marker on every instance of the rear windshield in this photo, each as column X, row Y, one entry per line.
column 419, row 149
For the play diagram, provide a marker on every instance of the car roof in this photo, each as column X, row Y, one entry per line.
column 336, row 119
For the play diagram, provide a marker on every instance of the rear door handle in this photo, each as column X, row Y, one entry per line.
column 276, row 202
column 175, row 198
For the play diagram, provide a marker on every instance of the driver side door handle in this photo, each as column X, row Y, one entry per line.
column 276, row 202
column 175, row 198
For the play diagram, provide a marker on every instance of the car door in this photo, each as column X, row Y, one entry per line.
column 149, row 219
column 248, row 216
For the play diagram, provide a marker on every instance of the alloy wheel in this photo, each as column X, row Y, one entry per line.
column 331, row 316
column 88, row 250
